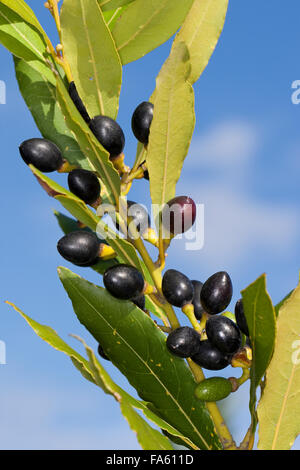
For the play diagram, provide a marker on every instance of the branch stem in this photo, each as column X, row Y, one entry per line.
column 157, row 278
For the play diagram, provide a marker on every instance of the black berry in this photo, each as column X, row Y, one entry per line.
column 216, row 293
column 179, row 214
column 102, row 353
column 41, row 153
column 78, row 102
column 209, row 357
column 124, row 282
column 80, row 248
column 183, row 342
column 85, row 185
column 240, row 317
column 141, row 121
column 198, row 309
column 177, row 288
column 224, row 334
column 139, row 301
column 109, row 134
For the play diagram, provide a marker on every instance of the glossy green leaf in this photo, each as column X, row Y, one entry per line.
column 24, row 11
column 261, row 320
column 171, row 131
column 137, row 347
column 146, row 25
column 201, row 31
column 92, row 55
column 38, row 87
column 103, row 379
column 91, row 370
column 278, row 410
column 51, row 337
column 20, row 37
column 92, row 149
column 113, row 4
column 111, row 16
column 149, row 438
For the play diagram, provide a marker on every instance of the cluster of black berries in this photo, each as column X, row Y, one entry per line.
column 224, row 337
column 125, row 282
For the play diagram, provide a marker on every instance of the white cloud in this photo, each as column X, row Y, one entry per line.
column 229, row 143
column 238, row 225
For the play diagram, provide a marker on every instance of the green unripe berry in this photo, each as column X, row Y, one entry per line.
column 213, row 389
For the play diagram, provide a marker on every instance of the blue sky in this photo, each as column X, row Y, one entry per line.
column 243, row 164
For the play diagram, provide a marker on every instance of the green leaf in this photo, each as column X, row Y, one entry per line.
column 201, row 31
column 38, row 87
column 51, row 337
column 171, row 131
column 137, row 347
column 103, row 380
column 149, row 438
column 111, row 16
column 280, row 304
column 25, row 12
column 20, row 37
column 93, row 150
column 97, row 376
column 146, row 25
column 260, row 315
column 278, row 410
column 113, row 4
column 92, row 55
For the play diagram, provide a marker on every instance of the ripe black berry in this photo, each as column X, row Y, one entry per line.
column 198, row 309
column 109, row 134
column 102, row 353
column 141, row 121
column 41, row 153
column 240, row 317
column 78, row 102
column 179, row 214
column 209, row 357
column 85, row 185
column 216, row 293
column 223, row 334
column 80, row 248
column 177, row 288
column 123, row 282
column 183, row 342
column 139, row 301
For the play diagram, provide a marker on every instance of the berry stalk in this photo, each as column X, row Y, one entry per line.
column 59, row 55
